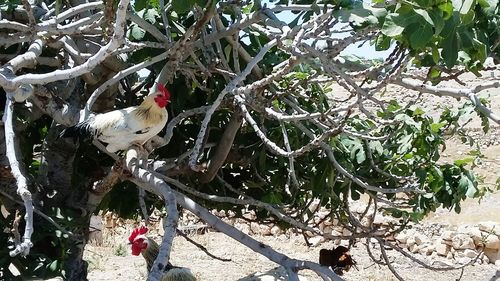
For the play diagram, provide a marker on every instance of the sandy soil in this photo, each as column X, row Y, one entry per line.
column 106, row 265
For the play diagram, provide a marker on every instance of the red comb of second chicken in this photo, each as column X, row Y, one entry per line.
column 138, row 231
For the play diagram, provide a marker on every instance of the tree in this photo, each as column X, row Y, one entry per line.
column 255, row 123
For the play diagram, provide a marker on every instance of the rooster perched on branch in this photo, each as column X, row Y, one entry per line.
column 124, row 127
column 141, row 244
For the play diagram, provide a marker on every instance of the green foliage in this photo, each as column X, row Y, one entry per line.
column 454, row 32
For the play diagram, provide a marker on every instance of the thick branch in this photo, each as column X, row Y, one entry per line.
column 22, row 184
column 223, row 148
column 161, row 188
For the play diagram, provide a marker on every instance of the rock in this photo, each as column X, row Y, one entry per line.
column 329, row 230
column 476, row 235
column 434, row 255
column 492, row 242
column 462, row 241
column 328, row 222
column 486, row 260
column 426, row 249
column 316, row 240
column 243, row 227
column 346, row 232
column 367, row 220
column 413, row 248
column 420, row 239
column 470, row 253
column 442, row 249
column 402, row 237
column 265, row 230
column 275, row 230
column 489, row 226
column 464, row 260
column 313, row 207
column 492, row 254
column 383, row 220
column 448, row 235
column 308, row 233
column 254, row 227
column 430, row 249
column 410, row 242
column 449, row 255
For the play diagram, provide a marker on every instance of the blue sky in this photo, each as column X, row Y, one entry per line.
column 366, row 50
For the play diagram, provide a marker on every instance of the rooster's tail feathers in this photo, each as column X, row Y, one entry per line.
column 179, row 274
column 79, row 131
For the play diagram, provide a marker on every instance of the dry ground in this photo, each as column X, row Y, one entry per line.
column 106, row 265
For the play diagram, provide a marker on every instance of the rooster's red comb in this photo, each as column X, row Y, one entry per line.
column 138, row 231
column 164, row 90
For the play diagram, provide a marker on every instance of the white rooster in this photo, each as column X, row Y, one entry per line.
column 124, row 127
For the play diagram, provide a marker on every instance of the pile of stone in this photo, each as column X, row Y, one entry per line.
column 478, row 243
column 463, row 244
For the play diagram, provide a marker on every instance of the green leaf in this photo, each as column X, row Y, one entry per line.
column 247, row 9
column 391, row 28
column 450, row 50
column 316, row 9
column 489, row 6
column 447, row 9
column 435, row 127
column 53, row 266
column 421, row 36
column 425, row 15
column 383, row 42
column 434, row 73
column 376, row 147
column 361, row 156
column 405, row 144
column 150, row 15
column 437, row 18
column 465, row 184
column 182, row 6
column 435, row 54
column 482, row 50
column 468, row 18
column 418, row 111
column 137, row 33
column 140, row 5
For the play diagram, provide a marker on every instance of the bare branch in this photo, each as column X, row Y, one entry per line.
column 161, row 188
column 92, row 62
column 193, row 159
column 469, row 93
column 12, row 152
